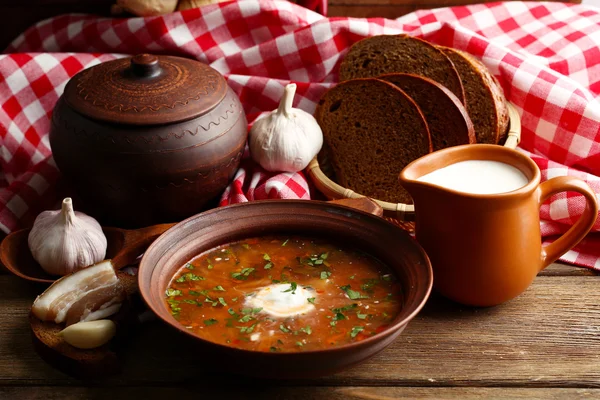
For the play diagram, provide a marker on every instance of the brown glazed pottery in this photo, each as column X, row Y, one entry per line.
column 148, row 139
column 370, row 233
column 487, row 249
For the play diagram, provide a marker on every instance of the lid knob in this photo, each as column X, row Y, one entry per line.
column 145, row 65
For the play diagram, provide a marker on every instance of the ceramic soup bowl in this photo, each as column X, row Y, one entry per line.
column 344, row 225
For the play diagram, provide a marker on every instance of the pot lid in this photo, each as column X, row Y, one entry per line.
column 146, row 90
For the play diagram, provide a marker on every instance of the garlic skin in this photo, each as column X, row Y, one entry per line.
column 64, row 240
column 89, row 335
column 287, row 139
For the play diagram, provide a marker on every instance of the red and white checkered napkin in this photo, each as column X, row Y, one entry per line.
column 544, row 54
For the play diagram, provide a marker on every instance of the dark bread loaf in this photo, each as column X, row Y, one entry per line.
column 446, row 117
column 485, row 101
column 92, row 363
column 384, row 54
column 372, row 130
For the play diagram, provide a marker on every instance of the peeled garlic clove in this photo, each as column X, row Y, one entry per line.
column 64, row 240
column 89, row 335
column 287, row 139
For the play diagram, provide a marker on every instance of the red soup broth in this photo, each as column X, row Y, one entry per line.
column 284, row 294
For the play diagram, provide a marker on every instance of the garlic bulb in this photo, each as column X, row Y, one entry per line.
column 64, row 240
column 286, row 139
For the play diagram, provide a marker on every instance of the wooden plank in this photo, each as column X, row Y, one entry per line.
column 548, row 337
column 294, row 393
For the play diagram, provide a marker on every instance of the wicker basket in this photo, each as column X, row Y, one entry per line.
column 322, row 174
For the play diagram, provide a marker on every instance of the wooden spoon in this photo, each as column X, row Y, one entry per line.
column 124, row 246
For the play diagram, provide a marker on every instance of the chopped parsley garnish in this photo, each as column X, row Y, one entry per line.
column 243, row 274
column 324, row 256
column 219, row 288
column 234, row 299
column 194, row 293
column 189, row 266
column 299, row 344
column 251, row 310
column 210, row 266
column 286, row 242
column 266, row 257
column 247, row 329
column 222, row 301
column 352, row 294
column 173, row 292
column 284, row 329
column 194, row 302
column 369, row 284
column 232, row 312
column 246, row 246
column 189, row 277
column 352, row 277
column 356, row 330
column 273, row 349
column 268, row 265
column 311, row 300
column 292, row 288
column 306, row 330
column 361, row 316
column 245, row 318
column 209, row 322
column 325, row 274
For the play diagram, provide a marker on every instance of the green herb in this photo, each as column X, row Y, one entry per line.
column 356, row 330
column 222, row 301
column 324, row 256
column 361, row 316
column 232, row 312
column 246, row 246
column 189, row 277
column 173, row 292
column 284, row 329
column 369, row 284
column 352, row 277
column 279, row 342
column 210, row 266
column 325, row 274
column 219, row 288
column 306, row 330
column 247, row 329
column 266, row 257
column 311, row 300
column 243, row 274
column 333, row 323
column 349, row 307
column 352, row 294
column 385, row 315
column 268, row 265
column 339, row 316
column 204, row 292
column 194, row 302
column 245, row 318
column 234, row 299
column 292, row 288
column 209, row 322
column 189, row 266
column 286, row 242
column 273, row 349
column 284, row 278
column 387, row 277
column 299, row 344
column 194, row 293
column 251, row 310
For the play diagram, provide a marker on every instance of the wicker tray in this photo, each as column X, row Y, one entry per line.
column 322, row 175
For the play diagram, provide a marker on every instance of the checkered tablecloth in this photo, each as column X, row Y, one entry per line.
column 545, row 55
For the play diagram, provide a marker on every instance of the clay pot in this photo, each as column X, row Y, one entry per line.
column 353, row 228
column 148, row 139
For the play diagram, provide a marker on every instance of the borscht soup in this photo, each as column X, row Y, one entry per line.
column 284, row 294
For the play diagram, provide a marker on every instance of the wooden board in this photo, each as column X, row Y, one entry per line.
column 546, row 338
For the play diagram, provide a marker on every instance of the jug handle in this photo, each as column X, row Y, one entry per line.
column 583, row 225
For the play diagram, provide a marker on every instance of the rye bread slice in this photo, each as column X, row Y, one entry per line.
column 371, row 131
column 485, row 100
column 385, row 54
column 446, row 117
column 93, row 363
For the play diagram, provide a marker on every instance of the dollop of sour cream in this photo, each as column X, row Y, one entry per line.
column 279, row 301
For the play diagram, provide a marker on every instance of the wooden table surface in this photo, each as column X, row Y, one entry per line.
column 544, row 344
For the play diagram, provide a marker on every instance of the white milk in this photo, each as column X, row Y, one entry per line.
column 478, row 177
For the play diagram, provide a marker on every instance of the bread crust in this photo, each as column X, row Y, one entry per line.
column 499, row 109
